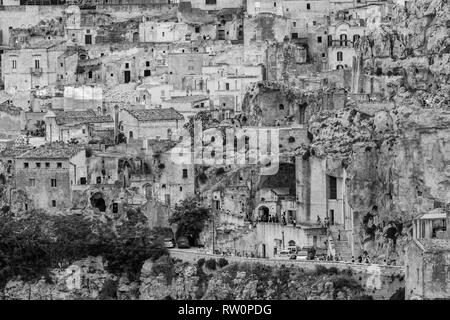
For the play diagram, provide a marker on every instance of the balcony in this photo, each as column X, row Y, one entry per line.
column 37, row 72
column 340, row 43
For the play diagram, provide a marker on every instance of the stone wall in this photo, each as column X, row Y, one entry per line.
column 379, row 281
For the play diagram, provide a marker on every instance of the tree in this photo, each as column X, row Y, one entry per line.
column 190, row 217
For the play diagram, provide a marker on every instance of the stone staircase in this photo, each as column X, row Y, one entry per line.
column 340, row 242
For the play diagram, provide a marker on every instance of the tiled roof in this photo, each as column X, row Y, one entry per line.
column 51, row 152
column 187, row 99
column 12, row 152
column 156, row 114
column 88, row 116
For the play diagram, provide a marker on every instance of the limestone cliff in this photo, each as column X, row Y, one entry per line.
column 87, row 279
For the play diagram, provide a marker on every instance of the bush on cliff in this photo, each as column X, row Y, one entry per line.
column 211, row 264
column 222, row 262
column 33, row 244
column 190, row 217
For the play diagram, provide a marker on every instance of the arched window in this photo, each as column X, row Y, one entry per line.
column 355, row 39
column 340, row 56
column 343, row 39
column 131, row 135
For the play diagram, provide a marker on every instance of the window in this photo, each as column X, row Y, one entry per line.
column 294, row 35
column 227, row 86
column 332, row 185
column 274, row 4
column 162, row 34
column 25, row 165
column 32, row 182
column 281, row 106
column 47, row 165
column 185, row 173
column 99, row 180
column 147, row 63
column 308, row 6
column 88, row 39
column 127, row 65
column 181, row 188
column 53, row 203
column 131, row 134
column 167, row 199
column 36, row 64
column 314, row 23
column 90, row 74
column 323, row 55
column 294, row 24
column 340, row 56
column 14, row 64
column 319, row 39
column 197, row 29
column 210, row 2
column 38, row 164
column 59, row 165
column 83, row 180
column 84, row 131
column 115, row 208
column 53, row 183
column 190, row 67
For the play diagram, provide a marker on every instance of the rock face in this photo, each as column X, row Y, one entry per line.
column 87, row 279
column 396, row 149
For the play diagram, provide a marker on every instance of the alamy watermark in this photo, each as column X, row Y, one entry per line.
column 231, row 146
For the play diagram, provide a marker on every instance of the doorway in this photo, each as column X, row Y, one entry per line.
column 127, row 76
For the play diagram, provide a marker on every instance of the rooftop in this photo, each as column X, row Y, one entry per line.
column 156, row 114
column 87, row 116
column 188, row 99
column 51, row 152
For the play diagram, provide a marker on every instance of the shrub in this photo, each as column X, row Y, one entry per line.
column 333, row 270
column 223, row 262
column 211, row 264
column 164, row 265
column 320, row 270
column 341, row 282
column 200, row 262
column 109, row 290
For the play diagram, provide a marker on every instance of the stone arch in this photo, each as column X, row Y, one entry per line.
column 97, row 201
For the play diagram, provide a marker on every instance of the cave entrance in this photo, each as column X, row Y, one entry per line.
column 263, row 214
column 98, row 202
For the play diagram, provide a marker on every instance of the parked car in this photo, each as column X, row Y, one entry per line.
column 283, row 254
column 183, row 243
column 302, row 255
column 169, row 243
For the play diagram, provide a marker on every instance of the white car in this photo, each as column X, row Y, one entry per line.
column 284, row 255
column 302, row 255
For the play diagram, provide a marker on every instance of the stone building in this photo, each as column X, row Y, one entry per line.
column 49, row 174
column 188, row 106
column 428, row 257
column 161, row 123
column 80, row 125
column 183, row 67
column 344, row 33
column 31, row 67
